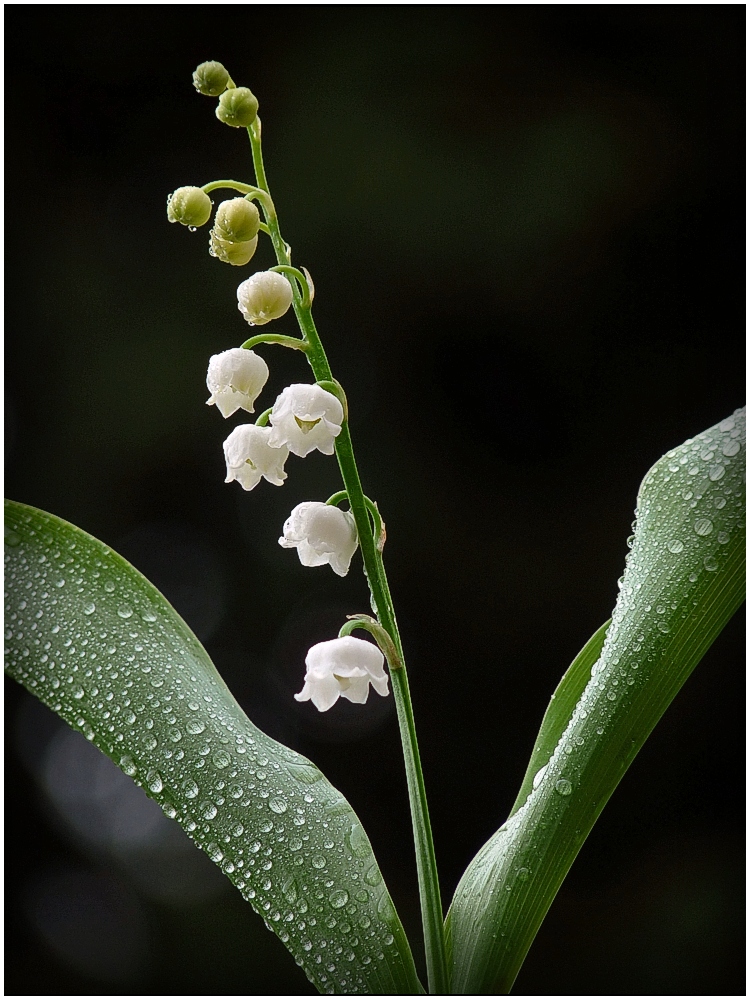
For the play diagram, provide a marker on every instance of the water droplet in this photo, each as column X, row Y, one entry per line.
column 372, row 877
column 12, row 538
column 128, row 766
column 109, row 586
column 89, row 608
column 277, row 805
column 720, row 502
column 730, row 448
column 208, row 810
column 716, row 472
column 154, row 782
column 539, row 775
column 722, row 538
column 703, row 526
column 563, row 786
column 221, row 759
column 148, row 615
column 710, row 563
column 290, row 890
column 237, row 830
column 318, row 861
column 214, row 852
column 523, row 874
column 675, row 546
column 77, row 692
column 727, row 424
column 125, row 611
column 150, row 742
column 357, row 840
column 663, row 626
column 190, row 788
column 195, row 726
column 338, row 898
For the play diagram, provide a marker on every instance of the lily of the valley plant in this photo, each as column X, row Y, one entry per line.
column 146, row 693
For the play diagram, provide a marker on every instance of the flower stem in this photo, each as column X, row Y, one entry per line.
column 429, row 888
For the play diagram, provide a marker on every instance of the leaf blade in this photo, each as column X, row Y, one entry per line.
column 94, row 640
column 683, row 581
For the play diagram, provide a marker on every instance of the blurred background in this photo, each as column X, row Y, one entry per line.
column 525, row 227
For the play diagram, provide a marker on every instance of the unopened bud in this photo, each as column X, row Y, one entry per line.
column 237, row 220
column 232, row 253
column 211, row 79
column 190, row 206
column 237, row 107
column 265, row 296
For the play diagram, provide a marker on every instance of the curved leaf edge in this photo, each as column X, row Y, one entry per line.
column 56, row 547
column 509, row 886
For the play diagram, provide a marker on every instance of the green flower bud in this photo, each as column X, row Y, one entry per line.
column 211, row 79
column 237, row 107
column 237, row 220
column 189, row 206
column 232, row 253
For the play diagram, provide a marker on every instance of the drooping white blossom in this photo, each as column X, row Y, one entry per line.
column 344, row 668
column 265, row 296
column 235, row 380
column 306, row 417
column 321, row 533
column 250, row 457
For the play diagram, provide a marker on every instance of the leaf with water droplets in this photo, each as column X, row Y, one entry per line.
column 106, row 652
column 684, row 578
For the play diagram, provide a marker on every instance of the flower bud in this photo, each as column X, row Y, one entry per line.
column 265, row 296
column 237, row 220
column 237, row 107
column 232, row 253
column 210, row 78
column 189, row 206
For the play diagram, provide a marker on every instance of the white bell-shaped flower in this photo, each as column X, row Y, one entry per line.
column 321, row 533
column 306, row 417
column 235, row 380
column 265, row 296
column 250, row 457
column 344, row 667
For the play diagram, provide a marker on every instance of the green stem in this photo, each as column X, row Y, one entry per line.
column 429, row 888
column 275, row 338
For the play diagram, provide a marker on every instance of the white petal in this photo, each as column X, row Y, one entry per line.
column 322, row 692
column 356, row 690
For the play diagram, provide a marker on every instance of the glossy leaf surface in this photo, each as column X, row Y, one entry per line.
column 683, row 581
column 93, row 639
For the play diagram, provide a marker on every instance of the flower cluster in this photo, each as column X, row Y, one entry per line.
column 303, row 419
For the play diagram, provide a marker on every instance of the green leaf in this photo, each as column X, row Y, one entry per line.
column 683, row 580
column 94, row 640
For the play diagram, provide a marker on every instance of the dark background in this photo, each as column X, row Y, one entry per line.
column 525, row 229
